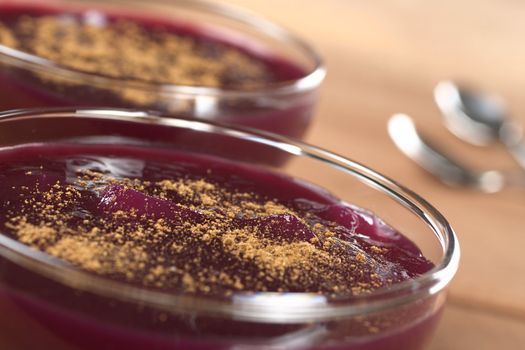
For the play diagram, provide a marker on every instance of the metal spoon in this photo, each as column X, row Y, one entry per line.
column 403, row 132
column 479, row 118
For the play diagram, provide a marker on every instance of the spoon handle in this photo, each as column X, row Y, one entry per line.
column 512, row 137
column 403, row 132
column 518, row 152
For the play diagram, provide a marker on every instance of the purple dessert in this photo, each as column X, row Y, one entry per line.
column 187, row 224
column 54, row 56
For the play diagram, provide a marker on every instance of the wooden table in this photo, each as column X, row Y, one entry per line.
column 385, row 58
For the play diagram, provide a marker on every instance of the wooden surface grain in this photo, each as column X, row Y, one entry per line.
column 385, row 58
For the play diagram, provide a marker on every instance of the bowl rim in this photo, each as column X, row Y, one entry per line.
column 309, row 81
column 255, row 307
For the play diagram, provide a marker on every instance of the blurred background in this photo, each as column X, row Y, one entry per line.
column 384, row 58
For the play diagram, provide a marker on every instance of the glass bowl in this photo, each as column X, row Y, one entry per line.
column 46, row 304
column 283, row 107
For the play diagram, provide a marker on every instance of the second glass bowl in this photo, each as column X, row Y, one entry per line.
column 284, row 106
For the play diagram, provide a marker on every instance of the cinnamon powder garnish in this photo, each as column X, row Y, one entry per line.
column 127, row 50
column 214, row 255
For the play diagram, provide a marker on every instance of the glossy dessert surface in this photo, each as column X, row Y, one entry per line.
column 192, row 224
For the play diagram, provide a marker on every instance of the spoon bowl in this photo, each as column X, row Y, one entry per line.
column 479, row 118
column 474, row 117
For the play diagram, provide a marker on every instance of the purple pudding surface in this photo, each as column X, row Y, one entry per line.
column 192, row 224
column 140, row 48
column 189, row 224
column 128, row 49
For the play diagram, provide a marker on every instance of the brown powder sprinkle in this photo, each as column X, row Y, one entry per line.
column 125, row 49
column 221, row 241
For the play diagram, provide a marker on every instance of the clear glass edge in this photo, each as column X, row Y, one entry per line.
column 254, row 307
